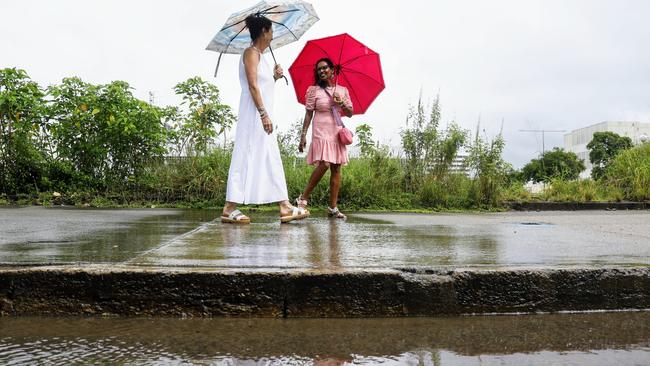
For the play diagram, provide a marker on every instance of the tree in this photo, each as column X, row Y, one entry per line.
column 205, row 118
column 21, row 120
column 603, row 148
column 554, row 164
column 103, row 132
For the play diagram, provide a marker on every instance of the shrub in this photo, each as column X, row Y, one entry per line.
column 579, row 191
column 489, row 169
column 603, row 148
column 554, row 164
column 22, row 163
column 104, row 132
column 629, row 171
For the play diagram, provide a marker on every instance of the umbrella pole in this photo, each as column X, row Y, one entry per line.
column 336, row 82
column 218, row 62
column 275, row 63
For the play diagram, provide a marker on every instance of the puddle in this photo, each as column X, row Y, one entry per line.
column 191, row 238
column 35, row 235
column 549, row 339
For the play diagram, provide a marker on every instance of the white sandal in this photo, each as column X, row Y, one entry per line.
column 235, row 217
column 334, row 212
column 301, row 202
column 297, row 213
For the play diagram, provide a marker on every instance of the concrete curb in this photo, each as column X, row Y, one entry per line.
column 104, row 290
column 576, row 206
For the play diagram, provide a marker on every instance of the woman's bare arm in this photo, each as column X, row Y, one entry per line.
column 251, row 62
column 309, row 115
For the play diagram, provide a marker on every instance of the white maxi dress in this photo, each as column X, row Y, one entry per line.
column 256, row 175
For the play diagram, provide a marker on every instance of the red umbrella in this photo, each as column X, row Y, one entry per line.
column 356, row 67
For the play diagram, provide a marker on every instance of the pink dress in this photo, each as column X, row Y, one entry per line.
column 325, row 144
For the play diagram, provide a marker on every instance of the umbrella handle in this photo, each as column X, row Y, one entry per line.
column 218, row 62
column 275, row 63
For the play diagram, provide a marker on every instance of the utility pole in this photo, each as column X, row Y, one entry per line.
column 543, row 133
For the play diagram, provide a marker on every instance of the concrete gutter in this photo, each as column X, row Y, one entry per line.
column 114, row 290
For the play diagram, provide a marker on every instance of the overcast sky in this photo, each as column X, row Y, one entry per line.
column 551, row 64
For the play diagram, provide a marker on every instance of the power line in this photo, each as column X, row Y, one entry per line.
column 543, row 133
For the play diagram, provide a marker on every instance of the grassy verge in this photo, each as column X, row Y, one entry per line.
column 371, row 184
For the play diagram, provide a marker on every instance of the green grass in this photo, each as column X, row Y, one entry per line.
column 629, row 172
column 372, row 184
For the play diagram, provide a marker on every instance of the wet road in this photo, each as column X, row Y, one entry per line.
column 161, row 237
column 542, row 339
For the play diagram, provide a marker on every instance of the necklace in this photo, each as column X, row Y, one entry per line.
column 256, row 49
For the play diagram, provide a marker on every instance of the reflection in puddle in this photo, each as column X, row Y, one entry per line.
column 323, row 243
column 577, row 339
column 190, row 238
column 61, row 235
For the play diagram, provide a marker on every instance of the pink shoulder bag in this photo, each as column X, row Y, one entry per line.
column 345, row 135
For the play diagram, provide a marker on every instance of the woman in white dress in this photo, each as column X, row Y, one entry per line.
column 256, row 175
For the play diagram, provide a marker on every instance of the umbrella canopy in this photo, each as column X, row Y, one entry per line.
column 356, row 67
column 290, row 18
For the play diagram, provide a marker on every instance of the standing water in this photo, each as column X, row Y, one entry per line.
column 549, row 339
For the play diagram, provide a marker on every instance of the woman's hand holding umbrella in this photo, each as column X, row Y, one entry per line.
column 341, row 103
column 278, row 72
column 356, row 67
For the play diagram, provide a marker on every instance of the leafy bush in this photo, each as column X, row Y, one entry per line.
column 603, row 147
column 429, row 152
column 204, row 118
column 103, row 131
column 489, row 169
column 22, row 164
column 364, row 140
column 554, row 164
column 630, row 172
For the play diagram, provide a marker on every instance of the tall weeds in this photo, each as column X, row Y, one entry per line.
column 488, row 168
column 630, row 172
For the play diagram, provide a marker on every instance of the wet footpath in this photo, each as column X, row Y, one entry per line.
column 194, row 239
column 163, row 286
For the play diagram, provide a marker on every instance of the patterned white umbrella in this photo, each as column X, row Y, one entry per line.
column 290, row 18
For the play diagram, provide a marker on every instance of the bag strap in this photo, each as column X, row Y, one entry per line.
column 335, row 111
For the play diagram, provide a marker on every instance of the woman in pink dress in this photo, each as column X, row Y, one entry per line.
column 325, row 151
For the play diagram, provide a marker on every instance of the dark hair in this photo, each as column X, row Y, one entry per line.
column 317, row 80
column 257, row 24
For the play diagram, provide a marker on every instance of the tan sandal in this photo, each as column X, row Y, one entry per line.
column 301, row 202
column 297, row 213
column 235, row 217
column 334, row 212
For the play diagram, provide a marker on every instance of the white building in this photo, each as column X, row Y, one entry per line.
column 577, row 140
